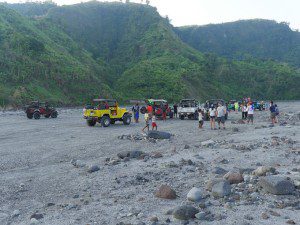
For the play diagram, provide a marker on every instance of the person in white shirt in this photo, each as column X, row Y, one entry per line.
column 221, row 112
column 200, row 118
column 244, row 111
column 212, row 116
column 250, row 112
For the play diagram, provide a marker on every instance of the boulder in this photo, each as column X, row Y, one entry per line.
column 93, row 168
column 219, row 171
column 185, row 212
column 211, row 182
column 166, row 192
column 158, row 134
column 208, row 143
column 277, row 185
column 194, row 195
column 221, row 189
column 135, row 154
column 263, row 170
column 234, row 177
column 123, row 154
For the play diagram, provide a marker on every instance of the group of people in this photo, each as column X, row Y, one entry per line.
column 217, row 114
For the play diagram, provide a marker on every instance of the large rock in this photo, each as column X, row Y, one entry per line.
column 234, row 177
column 219, row 171
column 194, row 195
column 263, row 170
column 166, row 192
column 185, row 212
column 221, row 189
column 211, row 182
column 135, row 154
column 277, row 185
column 123, row 154
column 158, row 134
column 208, row 143
column 93, row 168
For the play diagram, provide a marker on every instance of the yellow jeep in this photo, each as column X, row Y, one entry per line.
column 105, row 112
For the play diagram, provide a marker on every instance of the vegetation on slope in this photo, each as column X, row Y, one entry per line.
column 74, row 53
column 34, row 66
column 263, row 39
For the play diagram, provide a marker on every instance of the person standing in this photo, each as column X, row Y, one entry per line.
column 244, row 111
column 212, row 117
column 250, row 112
column 164, row 112
column 200, row 118
column 221, row 112
column 154, row 124
column 236, row 107
column 147, row 120
column 175, row 107
column 136, row 111
column 273, row 112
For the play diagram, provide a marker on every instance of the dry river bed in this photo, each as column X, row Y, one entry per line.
column 60, row 171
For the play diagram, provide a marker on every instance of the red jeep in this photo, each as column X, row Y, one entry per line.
column 159, row 105
column 35, row 109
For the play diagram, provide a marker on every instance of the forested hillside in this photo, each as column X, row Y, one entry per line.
column 263, row 39
column 70, row 54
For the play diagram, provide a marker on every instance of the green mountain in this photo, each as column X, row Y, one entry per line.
column 70, row 54
column 263, row 39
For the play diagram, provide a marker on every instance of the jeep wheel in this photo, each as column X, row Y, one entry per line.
column 126, row 119
column 54, row 114
column 105, row 121
column 182, row 117
column 36, row 115
column 143, row 110
column 91, row 123
column 29, row 115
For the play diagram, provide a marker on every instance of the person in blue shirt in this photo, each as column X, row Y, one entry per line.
column 273, row 112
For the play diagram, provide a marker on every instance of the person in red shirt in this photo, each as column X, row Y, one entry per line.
column 150, row 109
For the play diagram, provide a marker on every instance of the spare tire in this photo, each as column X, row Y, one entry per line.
column 143, row 110
column 158, row 112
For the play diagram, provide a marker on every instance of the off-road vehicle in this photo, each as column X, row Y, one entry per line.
column 188, row 108
column 159, row 105
column 105, row 112
column 37, row 109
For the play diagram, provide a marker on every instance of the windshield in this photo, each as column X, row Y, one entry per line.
column 188, row 103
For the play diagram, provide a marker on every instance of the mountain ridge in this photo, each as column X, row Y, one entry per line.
column 129, row 51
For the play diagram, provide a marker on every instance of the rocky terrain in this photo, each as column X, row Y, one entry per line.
column 60, row 171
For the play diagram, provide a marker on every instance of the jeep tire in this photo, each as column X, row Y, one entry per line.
column 105, row 121
column 36, row 115
column 54, row 114
column 91, row 123
column 29, row 115
column 181, row 117
column 126, row 119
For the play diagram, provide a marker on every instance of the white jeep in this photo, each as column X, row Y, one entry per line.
column 188, row 108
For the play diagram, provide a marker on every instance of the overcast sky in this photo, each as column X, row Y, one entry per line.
column 199, row 12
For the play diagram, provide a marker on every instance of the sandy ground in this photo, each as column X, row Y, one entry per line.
column 36, row 175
